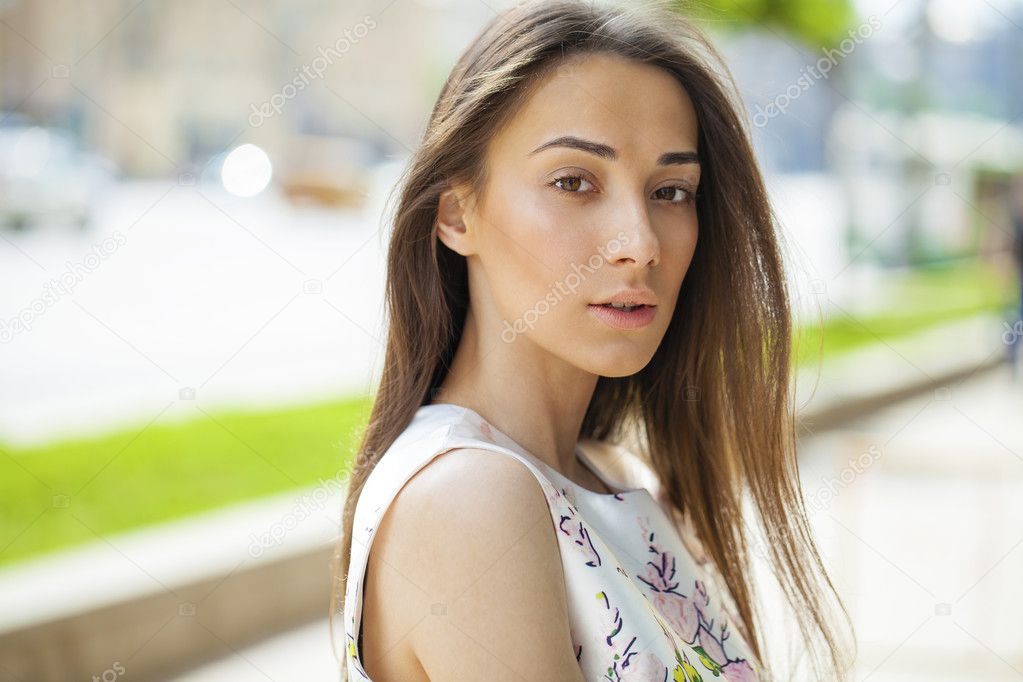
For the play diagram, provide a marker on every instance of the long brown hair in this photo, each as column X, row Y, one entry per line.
column 711, row 414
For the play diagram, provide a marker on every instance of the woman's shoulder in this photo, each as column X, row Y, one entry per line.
column 470, row 537
column 442, row 445
column 473, row 481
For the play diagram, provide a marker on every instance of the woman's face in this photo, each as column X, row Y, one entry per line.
column 590, row 192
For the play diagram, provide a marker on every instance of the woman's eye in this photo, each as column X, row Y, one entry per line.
column 675, row 194
column 575, row 184
column 570, row 183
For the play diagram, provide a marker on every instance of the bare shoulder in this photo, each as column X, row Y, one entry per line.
column 467, row 576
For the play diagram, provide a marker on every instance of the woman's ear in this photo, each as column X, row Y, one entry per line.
column 452, row 227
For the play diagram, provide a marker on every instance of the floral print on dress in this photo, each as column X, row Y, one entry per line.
column 622, row 656
column 689, row 614
column 639, row 605
column 571, row 525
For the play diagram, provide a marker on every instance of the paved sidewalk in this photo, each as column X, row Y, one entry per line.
column 301, row 655
column 920, row 511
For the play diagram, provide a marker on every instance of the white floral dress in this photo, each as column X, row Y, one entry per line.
column 641, row 606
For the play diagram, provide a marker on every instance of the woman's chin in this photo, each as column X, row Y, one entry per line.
column 624, row 365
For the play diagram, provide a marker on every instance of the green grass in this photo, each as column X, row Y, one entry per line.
column 146, row 475
column 916, row 301
column 70, row 492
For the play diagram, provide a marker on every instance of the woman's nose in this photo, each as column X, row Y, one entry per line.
column 638, row 239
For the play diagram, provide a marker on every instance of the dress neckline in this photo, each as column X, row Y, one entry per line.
column 562, row 479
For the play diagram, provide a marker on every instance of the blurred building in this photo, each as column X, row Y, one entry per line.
column 162, row 86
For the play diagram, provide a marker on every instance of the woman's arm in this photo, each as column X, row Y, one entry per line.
column 472, row 537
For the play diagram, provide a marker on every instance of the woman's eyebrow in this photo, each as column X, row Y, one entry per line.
column 608, row 152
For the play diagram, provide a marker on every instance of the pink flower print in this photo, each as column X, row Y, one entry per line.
column 644, row 667
column 680, row 613
column 701, row 599
column 660, row 568
column 485, row 428
column 713, row 648
column 739, row 671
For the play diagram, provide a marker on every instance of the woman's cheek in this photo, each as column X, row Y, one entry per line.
column 548, row 228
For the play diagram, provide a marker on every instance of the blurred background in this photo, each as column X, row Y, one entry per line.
column 192, row 240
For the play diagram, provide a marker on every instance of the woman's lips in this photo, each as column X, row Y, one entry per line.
column 624, row 319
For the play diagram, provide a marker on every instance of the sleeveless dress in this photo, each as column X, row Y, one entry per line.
column 642, row 605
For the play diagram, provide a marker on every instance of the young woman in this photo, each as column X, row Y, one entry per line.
column 586, row 373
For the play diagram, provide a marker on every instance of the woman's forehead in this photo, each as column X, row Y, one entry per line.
column 621, row 102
